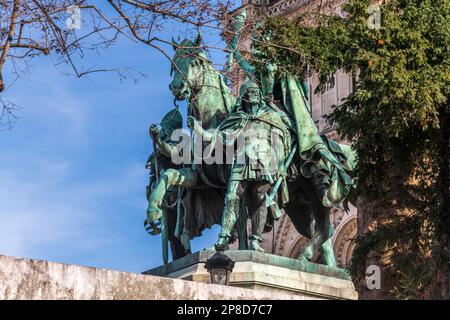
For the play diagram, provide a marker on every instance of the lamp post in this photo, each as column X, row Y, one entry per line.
column 219, row 267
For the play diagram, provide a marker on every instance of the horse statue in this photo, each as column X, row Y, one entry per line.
column 322, row 163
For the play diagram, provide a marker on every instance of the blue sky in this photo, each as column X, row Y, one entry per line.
column 72, row 177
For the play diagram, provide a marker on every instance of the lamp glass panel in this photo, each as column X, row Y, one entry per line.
column 219, row 276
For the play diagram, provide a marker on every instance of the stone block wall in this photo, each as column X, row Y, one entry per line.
column 42, row 280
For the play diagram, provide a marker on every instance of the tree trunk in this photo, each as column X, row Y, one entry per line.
column 9, row 39
column 372, row 214
column 441, row 254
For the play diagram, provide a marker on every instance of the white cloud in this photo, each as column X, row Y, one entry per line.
column 71, row 172
column 51, row 105
column 48, row 212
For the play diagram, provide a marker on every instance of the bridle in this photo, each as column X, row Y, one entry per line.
column 190, row 95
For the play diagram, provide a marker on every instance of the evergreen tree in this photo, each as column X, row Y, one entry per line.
column 397, row 118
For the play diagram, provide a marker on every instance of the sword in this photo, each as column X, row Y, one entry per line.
column 276, row 212
column 156, row 161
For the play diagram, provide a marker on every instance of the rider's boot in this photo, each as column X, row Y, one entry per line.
column 154, row 212
column 255, row 243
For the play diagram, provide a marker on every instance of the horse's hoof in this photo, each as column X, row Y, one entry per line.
column 303, row 259
column 254, row 245
column 331, row 263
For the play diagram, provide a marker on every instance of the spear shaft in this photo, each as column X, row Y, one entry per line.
column 164, row 222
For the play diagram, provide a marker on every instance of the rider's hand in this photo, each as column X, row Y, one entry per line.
column 154, row 131
column 190, row 122
column 240, row 18
column 269, row 98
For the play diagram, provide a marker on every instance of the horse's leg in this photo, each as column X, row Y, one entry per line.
column 180, row 232
column 327, row 252
column 321, row 239
column 307, row 252
column 323, row 225
column 323, row 229
column 185, row 241
column 185, row 177
column 177, row 246
column 300, row 211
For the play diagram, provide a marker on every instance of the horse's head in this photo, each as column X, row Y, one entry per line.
column 187, row 68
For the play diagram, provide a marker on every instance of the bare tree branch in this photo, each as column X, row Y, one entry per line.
column 7, row 46
column 30, row 28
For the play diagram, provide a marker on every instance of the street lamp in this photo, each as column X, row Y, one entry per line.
column 219, row 267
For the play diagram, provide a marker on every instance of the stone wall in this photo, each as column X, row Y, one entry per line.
column 38, row 279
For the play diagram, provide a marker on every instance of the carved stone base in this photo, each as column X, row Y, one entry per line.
column 258, row 270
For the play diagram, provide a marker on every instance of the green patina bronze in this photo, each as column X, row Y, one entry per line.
column 158, row 162
column 266, row 143
column 312, row 172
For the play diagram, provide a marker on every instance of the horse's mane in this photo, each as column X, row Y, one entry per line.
column 190, row 48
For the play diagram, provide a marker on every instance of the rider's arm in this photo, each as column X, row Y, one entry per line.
column 243, row 63
column 165, row 148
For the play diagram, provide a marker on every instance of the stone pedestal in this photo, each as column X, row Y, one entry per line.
column 258, row 270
